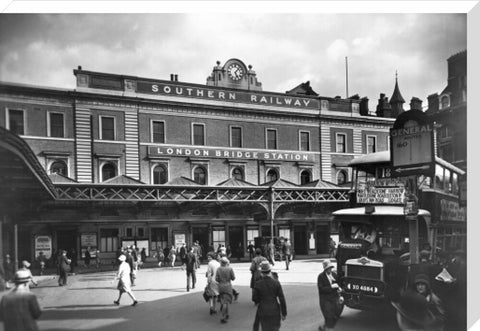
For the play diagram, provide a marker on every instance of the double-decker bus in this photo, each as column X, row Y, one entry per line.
column 381, row 235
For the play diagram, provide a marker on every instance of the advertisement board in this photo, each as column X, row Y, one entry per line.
column 88, row 241
column 43, row 244
column 180, row 239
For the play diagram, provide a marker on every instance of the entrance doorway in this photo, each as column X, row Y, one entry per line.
column 322, row 239
column 201, row 234
column 235, row 239
column 300, row 239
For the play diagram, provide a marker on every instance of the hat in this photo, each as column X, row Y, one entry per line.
column 414, row 307
column 265, row 267
column 421, row 278
column 122, row 258
column 258, row 251
column 26, row 264
column 424, row 253
column 224, row 261
column 22, row 276
column 327, row 264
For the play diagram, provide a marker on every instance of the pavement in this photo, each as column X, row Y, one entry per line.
column 86, row 303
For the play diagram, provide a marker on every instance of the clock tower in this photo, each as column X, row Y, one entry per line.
column 234, row 74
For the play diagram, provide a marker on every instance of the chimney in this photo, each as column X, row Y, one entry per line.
column 172, row 77
column 364, row 106
column 79, row 68
column 384, row 109
column 433, row 103
column 416, row 104
column 176, row 77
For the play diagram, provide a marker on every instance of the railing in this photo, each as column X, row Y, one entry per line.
column 103, row 192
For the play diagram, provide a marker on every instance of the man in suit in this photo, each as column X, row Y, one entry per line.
column 287, row 252
column 191, row 266
column 329, row 294
column 64, row 266
column 268, row 295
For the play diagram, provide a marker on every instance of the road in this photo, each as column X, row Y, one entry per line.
column 86, row 303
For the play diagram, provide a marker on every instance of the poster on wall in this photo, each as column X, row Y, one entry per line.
column 179, row 239
column 143, row 244
column 88, row 241
column 43, row 244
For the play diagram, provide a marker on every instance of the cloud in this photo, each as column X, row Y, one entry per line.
column 338, row 50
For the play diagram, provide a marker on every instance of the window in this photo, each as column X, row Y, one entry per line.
column 109, row 170
column 218, row 238
column 272, row 175
column 371, row 144
column 271, row 139
column 251, row 235
column 59, row 167
column 160, row 175
column 304, row 140
column 305, row 177
column 285, row 233
column 444, row 102
column 158, row 132
column 200, row 175
column 236, row 137
column 140, row 231
column 341, row 142
column 108, row 240
column 324, row 104
column 129, row 232
column 388, row 142
column 198, row 134
column 56, row 125
column 107, row 128
column 16, row 121
column 342, row 177
column 159, row 238
column 237, row 173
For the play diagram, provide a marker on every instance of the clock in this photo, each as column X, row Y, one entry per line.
column 235, row 71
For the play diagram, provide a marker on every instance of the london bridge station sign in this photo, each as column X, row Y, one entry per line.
column 216, row 94
column 243, row 154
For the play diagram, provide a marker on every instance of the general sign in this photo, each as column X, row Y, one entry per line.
column 216, row 94
column 381, row 195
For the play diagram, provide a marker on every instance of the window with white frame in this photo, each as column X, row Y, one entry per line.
column 107, row 128
column 198, row 134
column 108, row 240
column 272, row 175
column 236, row 136
column 218, row 238
column 59, row 167
column 237, row 173
column 56, row 125
column 271, row 137
column 324, row 104
column 200, row 175
column 159, row 174
column 251, row 235
column 444, row 101
column 341, row 142
column 16, row 121
column 285, row 233
column 342, row 177
column 304, row 140
column 158, row 132
column 108, row 169
column 305, row 177
column 371, row 144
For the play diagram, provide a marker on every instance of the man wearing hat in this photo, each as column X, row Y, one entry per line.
column 268, row 295
column 255, row 266
column 26, row 266
column 435, row 306
column 124, row 281
column 64, row 266
column 329, row 293
column 413, row 313
column 224, row 277
column 19, row 309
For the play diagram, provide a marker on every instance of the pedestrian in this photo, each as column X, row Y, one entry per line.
column 332, row 247
column 251, row 250
column 287, row 252
column 9, row 270
column 329, row 294
column 183, row 254
column 255, row 268
column 42, row 261
column 224, row 277
column 124, row 284
column 97, row 258
column 435, row 306
column 72, row 255
column 191, row 266
column 239, row 252
column 212, row 284
column 412, row 312
column 160, row 256
column 129, row 261
column 64, row 268
column 19, row 309
column 271, row 252
column 25, row 267
column 143, row 254
column 229, row 251
column 172, row 256
column 87, row 257
column 268, row 296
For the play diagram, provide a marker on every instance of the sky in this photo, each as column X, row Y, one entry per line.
column 285, row 49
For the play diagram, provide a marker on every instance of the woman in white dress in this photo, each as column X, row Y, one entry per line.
column 124, row 283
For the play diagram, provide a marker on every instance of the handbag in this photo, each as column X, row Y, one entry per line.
column 206, row 297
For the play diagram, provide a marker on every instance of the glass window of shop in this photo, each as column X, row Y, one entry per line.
column 218, row 238
column 251, row 235
column 159, row 238
column 109, row 240
column 285, row 233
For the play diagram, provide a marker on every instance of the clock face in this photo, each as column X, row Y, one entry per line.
column 235, row 71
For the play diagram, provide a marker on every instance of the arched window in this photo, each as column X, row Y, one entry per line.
column 109, row 170
column 445, row 102
column 200, row 175
column 272, row 175
column 160, row 175
column 305, row 177
column 237, row 173
column 59, row 167
column 342, row 177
